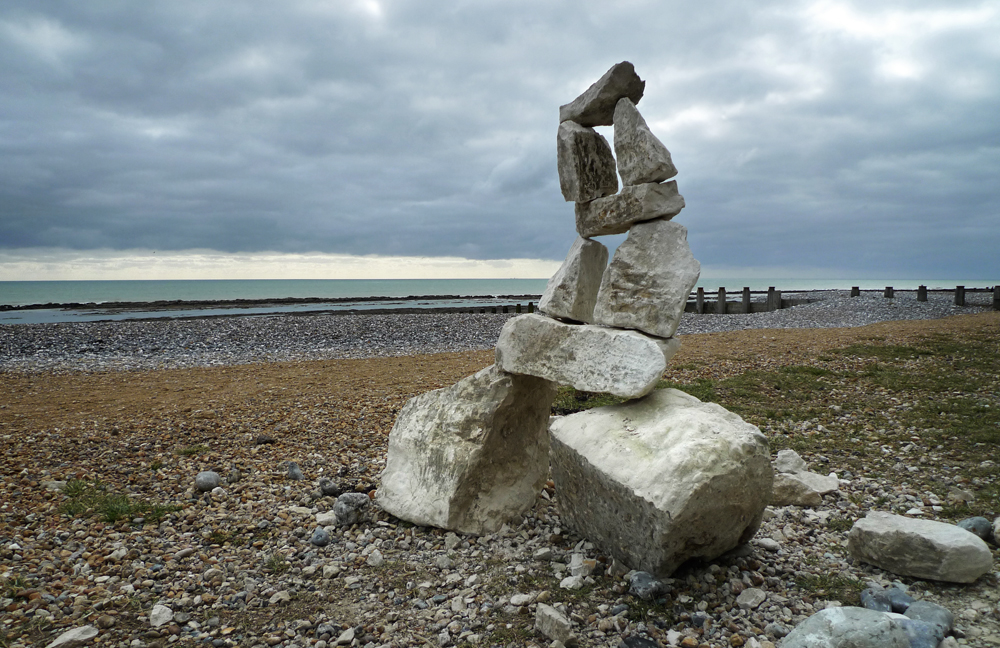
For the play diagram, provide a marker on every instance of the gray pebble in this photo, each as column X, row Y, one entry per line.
column 977, row 525
column 645, row 585
column 320, row 537
column 207, row 480
column 294, row 472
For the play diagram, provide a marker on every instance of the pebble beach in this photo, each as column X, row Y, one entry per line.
column 138, row 409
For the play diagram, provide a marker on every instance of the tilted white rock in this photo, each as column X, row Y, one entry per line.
column 647, row 284
column 641, row 156
column 469, row 457
column 919, row 548
column 802, row 488
column 586, row 357
column 572, row 291
column 661, row 480
column 616, row 214
column 75, row 637
column 789, row 461
column 585, row 163
column 596, row 106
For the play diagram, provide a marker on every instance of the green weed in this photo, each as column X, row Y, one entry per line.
column 191, row 450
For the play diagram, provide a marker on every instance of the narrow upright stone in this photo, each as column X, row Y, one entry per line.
column 647, row 284
column 616, row 214
column 642, row 157
column 586, row 165
column 572, row 291
column 596, row 106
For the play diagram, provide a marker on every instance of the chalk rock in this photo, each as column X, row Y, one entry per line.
column 661, row 480
column 572, row 291
column 160, row 615
column 919, row 548
column 588, row 358
column 74, row 637
column 641, row 156
column 553, row 624
column 647, row 284
column 469, row 457
column 596, row 106
column 802, row 488
column 585, row 163
column 789, row 461
column 616, row 214
column 843, row 627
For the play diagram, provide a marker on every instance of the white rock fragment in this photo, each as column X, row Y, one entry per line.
column 553, row 624
column 919, row 548
column 647, row 284
column 641, row 156
column 572, row 291
column 471, row 456
column 789, row 461
column 73, row 638
column 661, row 480
column 802, row 488
column 160, row 615
column 616, row 214
column 588, row 358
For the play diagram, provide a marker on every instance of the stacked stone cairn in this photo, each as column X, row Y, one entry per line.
column 656, row 481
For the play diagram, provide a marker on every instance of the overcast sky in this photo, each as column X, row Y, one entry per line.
column 819, row 138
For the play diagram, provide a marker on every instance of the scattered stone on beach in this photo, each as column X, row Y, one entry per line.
column 207, row 480
column 320, row 537
column 640, row 155
column 553, row 624
column 572, row 291
column 294, row 472
column 839, row 627
column 328, row 487
column 585, row 163
column 978, row 526
column 589, row 358
column 789, row 461
column 802, row 488
column 596, row 106
column 661, row 480
column 930, row 612
column 160, row 615
column 919, row 548
column 351, row 508
column 645, row 585
column 647, row 283
column 469, row 457
column 75, row 637
column 616, row 214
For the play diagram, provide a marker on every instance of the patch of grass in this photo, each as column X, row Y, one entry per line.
column 156, row 465
column 840, row 524
column 702, row 389
column 571, row 401
column 10, row 586
column 276, row 563
column 191, row 450
column 85, row 499
column 833, row 587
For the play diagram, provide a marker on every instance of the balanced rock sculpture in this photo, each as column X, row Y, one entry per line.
column 654, row 481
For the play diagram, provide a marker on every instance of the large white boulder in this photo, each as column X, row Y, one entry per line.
column 647, row 284
column 641, row 156
column 588, row 358
column 616, row 214
column 596, row 106
column 661, row 480
column 848, row 627
column 585, row 163
column 919, row 548
column 469, row 457
column 572, row 291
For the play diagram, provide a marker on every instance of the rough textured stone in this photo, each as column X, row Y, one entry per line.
column 647, row 284
column 661, row 480
column 572, row 291
column 553, row 624
column 588, row 358
column 160, row 615
column 789, row 461
column 74, row 637
column 847, row 627
column 596, row 106
column 471, row 456
column 919, row 548
column 585, row 163
column 641, row 156
column 351, row 508
column 932, row 613
column 616, row 214
column 802, row 488
column 207, row 480
column 645, row 585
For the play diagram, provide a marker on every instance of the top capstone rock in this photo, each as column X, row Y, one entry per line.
column 596, row 106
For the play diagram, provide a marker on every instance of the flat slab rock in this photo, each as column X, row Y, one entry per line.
column 920, row 548
column 660, row 480
column 596, row 106
column 469, row 457
column 585, row 163
column 842, row 627
column 616, row 214
column 572, row 291
column 802, row 488
column 647, row 283
column 585, row 357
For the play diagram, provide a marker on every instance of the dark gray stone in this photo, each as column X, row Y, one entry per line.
column 922, row 634
column 899, row 599
column 876, row 599
column 320, row 537
column 931, row 613
column 980, row 526
column 294, row 472
column 637, row 641
column 645, row 585
column 351, row 508
column 329, row 488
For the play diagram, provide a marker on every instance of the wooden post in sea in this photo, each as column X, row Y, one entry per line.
column 746, row 299
column 503, row 309
column 517, row 309
column 921, row 293
column 770, row 300
column 996, row 298
column 888, row 292
column 720, row 306
column 855, row 291
column 960, row 295
column 531, row 307
column 699, row 305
